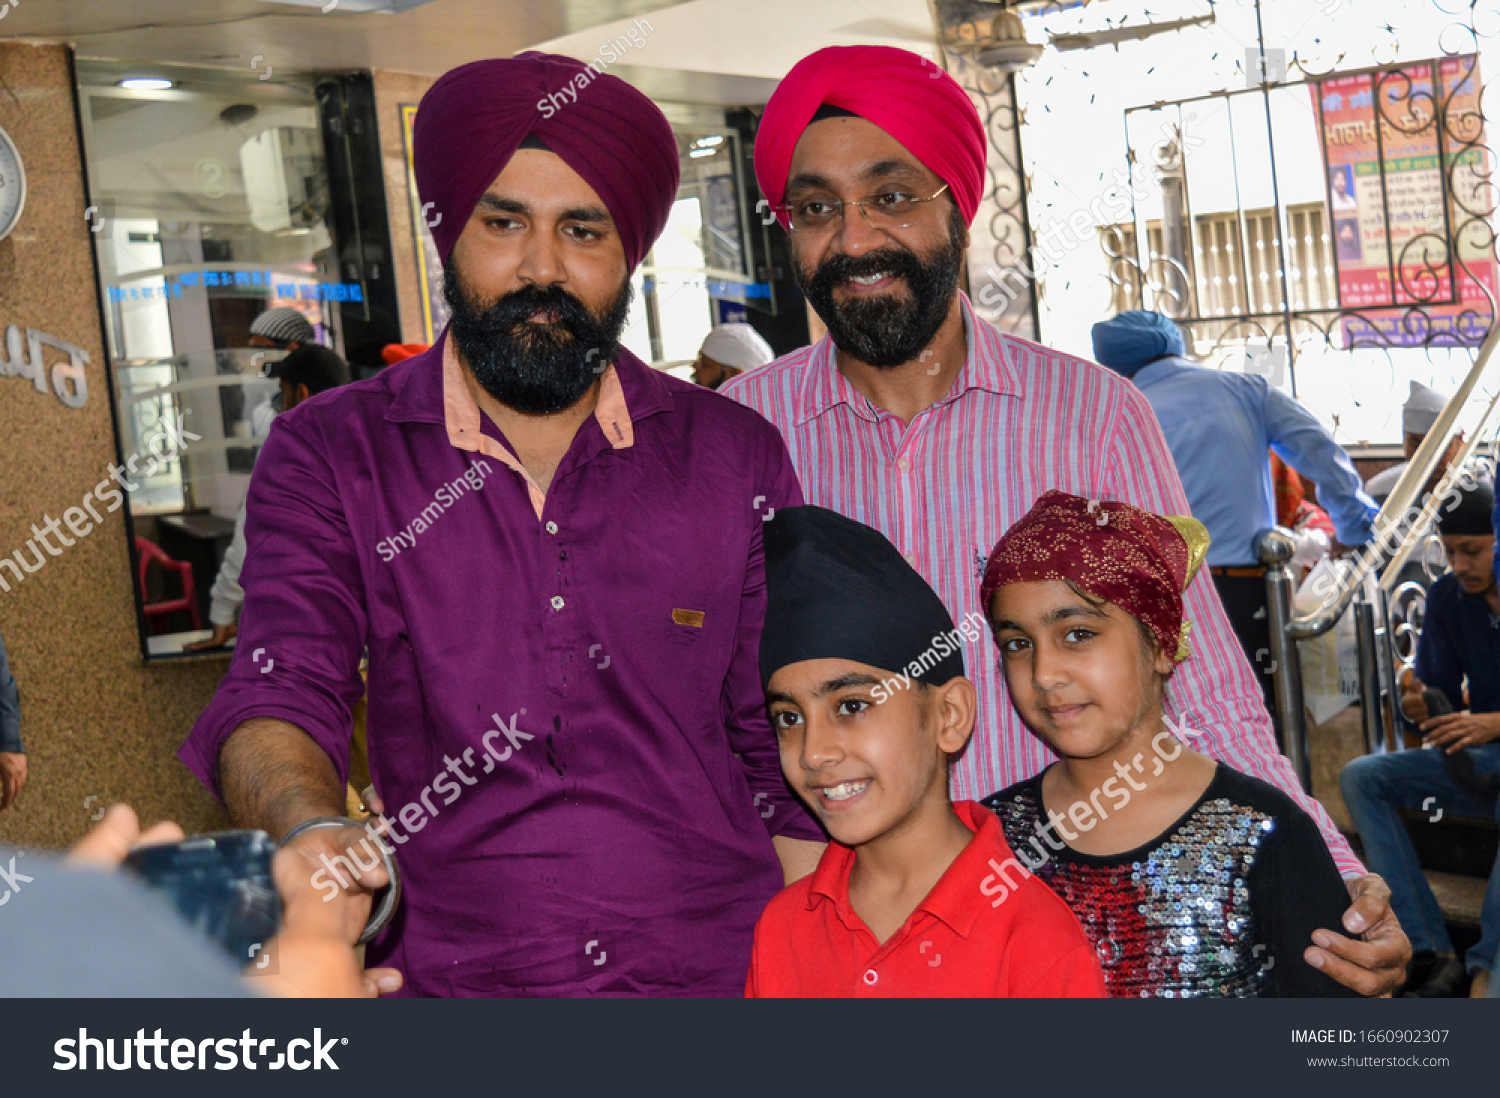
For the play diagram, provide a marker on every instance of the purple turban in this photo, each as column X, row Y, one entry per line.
column 475, row 117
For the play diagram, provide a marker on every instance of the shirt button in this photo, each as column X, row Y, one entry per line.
column 557, row 602
column 905, row 464
column 910, row 558
column 551, row 527
column 871, row 977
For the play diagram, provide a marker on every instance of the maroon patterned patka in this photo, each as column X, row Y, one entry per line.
column 1127, row 556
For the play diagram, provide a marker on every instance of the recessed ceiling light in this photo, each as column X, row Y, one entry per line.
column 146, row 83
column 698, row 153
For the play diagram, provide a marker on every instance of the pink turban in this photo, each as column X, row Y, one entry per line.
column 475, row 117
column 905, row 95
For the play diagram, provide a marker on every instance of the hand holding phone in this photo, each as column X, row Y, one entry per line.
column 221, row 883
column 1437, row 702
column 309, row 957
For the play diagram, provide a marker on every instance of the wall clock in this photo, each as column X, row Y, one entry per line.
column 12, row 185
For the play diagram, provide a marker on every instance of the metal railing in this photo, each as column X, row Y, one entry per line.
column 1398, row 529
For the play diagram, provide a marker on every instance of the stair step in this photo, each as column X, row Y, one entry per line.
column 1454, row 845
column 1459, row 896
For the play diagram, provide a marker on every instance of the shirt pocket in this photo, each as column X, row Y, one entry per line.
column 685, row 626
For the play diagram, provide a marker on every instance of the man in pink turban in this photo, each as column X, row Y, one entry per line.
column 553, row 556
column 919, row 418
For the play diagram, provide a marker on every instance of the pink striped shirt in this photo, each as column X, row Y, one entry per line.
column 1020, row 419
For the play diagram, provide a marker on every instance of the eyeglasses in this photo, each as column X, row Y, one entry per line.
column 887, row 210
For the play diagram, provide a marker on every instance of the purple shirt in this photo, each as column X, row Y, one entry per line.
column 565, row 714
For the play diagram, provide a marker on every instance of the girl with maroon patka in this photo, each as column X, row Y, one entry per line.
column 1190, row 878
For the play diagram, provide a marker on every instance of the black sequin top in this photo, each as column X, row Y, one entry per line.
column 1222, row 903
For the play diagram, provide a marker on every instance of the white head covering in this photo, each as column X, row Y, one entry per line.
column 737, row 345
column 1422, row 409
column 284, row 324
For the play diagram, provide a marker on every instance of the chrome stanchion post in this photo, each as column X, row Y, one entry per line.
column 1369, row 673
column 1385, row 653
column 1276, row 549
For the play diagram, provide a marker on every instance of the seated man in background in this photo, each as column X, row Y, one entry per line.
column 303, row 373
column 729, row 351
column 1460, row 757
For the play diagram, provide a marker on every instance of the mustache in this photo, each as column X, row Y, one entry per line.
column 510, row 312
column 840, row 268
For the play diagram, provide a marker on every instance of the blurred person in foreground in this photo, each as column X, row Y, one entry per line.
column 729, row 351
column 919, row 418
column 1085, row 600
column 75, row 928
column 1457, row 768
column 1218, row 425
column 12, row 750
column 866, row 687
column 565, row 721
column 303, row 373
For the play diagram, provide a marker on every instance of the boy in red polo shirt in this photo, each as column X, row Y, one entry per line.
column 916, row 895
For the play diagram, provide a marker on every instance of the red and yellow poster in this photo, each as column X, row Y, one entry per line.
column 1388, row 226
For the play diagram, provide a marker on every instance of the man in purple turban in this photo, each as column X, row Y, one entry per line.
column 552, row 556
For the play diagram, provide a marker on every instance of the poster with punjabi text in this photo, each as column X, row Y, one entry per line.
column 1389, row 227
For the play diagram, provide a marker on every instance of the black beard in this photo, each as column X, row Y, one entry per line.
column 535, row 369
column 889, row 330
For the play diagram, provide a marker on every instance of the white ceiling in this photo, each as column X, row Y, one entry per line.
column 723, row 52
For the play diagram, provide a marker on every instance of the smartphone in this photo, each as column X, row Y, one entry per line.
column 221, row 884
column 1460, row 764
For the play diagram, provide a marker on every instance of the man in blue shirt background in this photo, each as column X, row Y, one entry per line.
column 1220, row 427
column 1459, row 764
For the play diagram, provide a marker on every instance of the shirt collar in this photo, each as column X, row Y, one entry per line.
column 956, row 899
column 1163, row 365
column 434, row 392
column 987, row 365
column 461, row 413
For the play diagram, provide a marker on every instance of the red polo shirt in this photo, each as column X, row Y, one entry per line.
column 977, row 934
